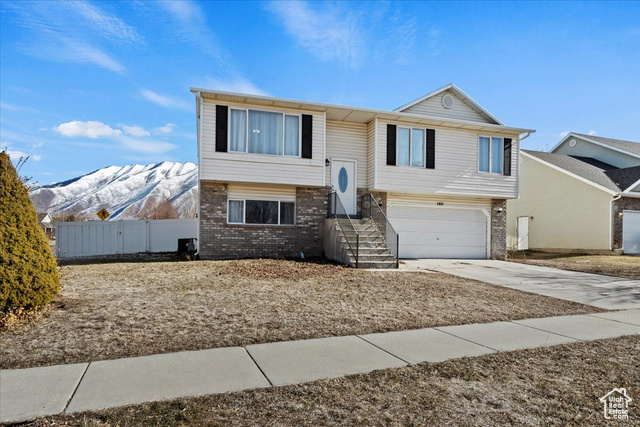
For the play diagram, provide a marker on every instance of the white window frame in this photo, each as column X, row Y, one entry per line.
column 424, row 144
column 246, row 132
column 490, row 137
column 244, row 212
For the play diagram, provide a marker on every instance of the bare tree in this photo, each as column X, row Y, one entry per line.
column 162, row 209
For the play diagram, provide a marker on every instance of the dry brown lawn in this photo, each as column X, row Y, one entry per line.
column 109, row 311
column 611, row 265
column 553, row 386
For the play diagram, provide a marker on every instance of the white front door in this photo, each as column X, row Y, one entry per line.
column 523, row 233
column 343, row 181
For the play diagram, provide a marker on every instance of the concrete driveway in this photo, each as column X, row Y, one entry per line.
column 606, row 292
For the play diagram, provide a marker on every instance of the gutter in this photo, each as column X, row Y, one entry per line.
column 616, row 197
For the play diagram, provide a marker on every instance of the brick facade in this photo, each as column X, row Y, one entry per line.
column 219, row 240
column 498, row 229
column 625, row 203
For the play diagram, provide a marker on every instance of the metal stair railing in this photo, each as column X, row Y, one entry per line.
column 337, row 211
column 382, row 222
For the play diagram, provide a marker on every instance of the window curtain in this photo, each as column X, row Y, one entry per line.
column 291, row 135
column 265, row 132
column 496, row 155
column 287, row 213
column 417, row 147
column 483, row 154
column 238, row 131
column 236, row 211
column 403, row 146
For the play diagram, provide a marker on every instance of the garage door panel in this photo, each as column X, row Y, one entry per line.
column 631, row 232
column 427, row 232
column 444, row 239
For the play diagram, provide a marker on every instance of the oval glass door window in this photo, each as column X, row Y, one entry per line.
column 343, row 180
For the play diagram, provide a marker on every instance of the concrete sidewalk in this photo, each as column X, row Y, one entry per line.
column 610, row 293
column 35, row 392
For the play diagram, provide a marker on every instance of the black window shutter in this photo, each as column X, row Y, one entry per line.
column 391, row 145
column 430, row 162
column 307, row 131
column 222, row 134
column 506, row 169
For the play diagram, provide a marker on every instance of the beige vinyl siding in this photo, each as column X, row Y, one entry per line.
column 433, row 107
column 566, row 212
column 241, row 192
column 456, row 168
column 348, row 141
column 604, row 154
column 259, row 168
column 432, row 201
column 371, row 153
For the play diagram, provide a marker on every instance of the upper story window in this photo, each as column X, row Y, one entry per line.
column 264, row 132
column 490, row 154
column 411, row 147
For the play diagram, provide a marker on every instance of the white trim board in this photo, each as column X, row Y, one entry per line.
column 591, row 141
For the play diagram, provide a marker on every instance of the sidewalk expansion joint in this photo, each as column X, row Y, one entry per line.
column 380, row 348
column 259, row 367
column 613, row 320
column 465, row 339
column 75, row 390
column 547, row 331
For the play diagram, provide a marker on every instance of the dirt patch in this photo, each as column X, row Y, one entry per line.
column 626, row 266
column 555, row 386
column 109, row 311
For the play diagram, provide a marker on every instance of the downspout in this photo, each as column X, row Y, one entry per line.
column 616, row 197
column 527, row 135
column 199, row 105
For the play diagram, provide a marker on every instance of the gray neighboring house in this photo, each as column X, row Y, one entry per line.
column 582, row 196
column 277, row 178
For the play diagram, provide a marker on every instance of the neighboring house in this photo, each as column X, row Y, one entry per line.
column 582, row 196
column 46, row 222
column 441, row 168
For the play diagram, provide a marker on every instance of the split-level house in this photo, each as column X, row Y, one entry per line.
column 286, row 178
column 582, row 196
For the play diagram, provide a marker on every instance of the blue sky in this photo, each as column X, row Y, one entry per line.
column 84, row 85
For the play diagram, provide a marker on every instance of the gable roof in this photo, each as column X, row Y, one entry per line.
column 625, row 178
column 628, row 147
column 351, row 114
column 586, row 171
column 466, row 98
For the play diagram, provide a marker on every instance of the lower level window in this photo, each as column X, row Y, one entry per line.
column 261, row 212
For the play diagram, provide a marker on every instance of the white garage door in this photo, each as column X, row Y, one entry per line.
column 631, row 232
column 439, row 232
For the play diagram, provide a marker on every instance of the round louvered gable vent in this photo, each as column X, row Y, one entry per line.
column 448, row 101
column 572, row 143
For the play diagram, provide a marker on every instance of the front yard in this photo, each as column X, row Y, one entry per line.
column 619, row 266
column 108, row 311
column 553, row 386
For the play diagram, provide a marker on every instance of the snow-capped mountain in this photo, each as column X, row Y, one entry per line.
column 122, row 191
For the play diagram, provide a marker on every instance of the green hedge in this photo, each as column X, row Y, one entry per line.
column 28, row 269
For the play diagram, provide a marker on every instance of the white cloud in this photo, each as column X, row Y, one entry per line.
column 328, row 32
column 16, row 154
column 166, row 129
column 90, row 129
column 135, row 130
column 70, row 32
column 592, row 132
column 564, row 133
column 134, row 138
column 165, row 101
column 103, row 23
column 234, row 84
column 36, row 157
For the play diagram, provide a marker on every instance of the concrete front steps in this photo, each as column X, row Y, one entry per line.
column 373, row 251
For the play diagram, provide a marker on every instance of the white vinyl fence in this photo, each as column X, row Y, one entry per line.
column 91, row 238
